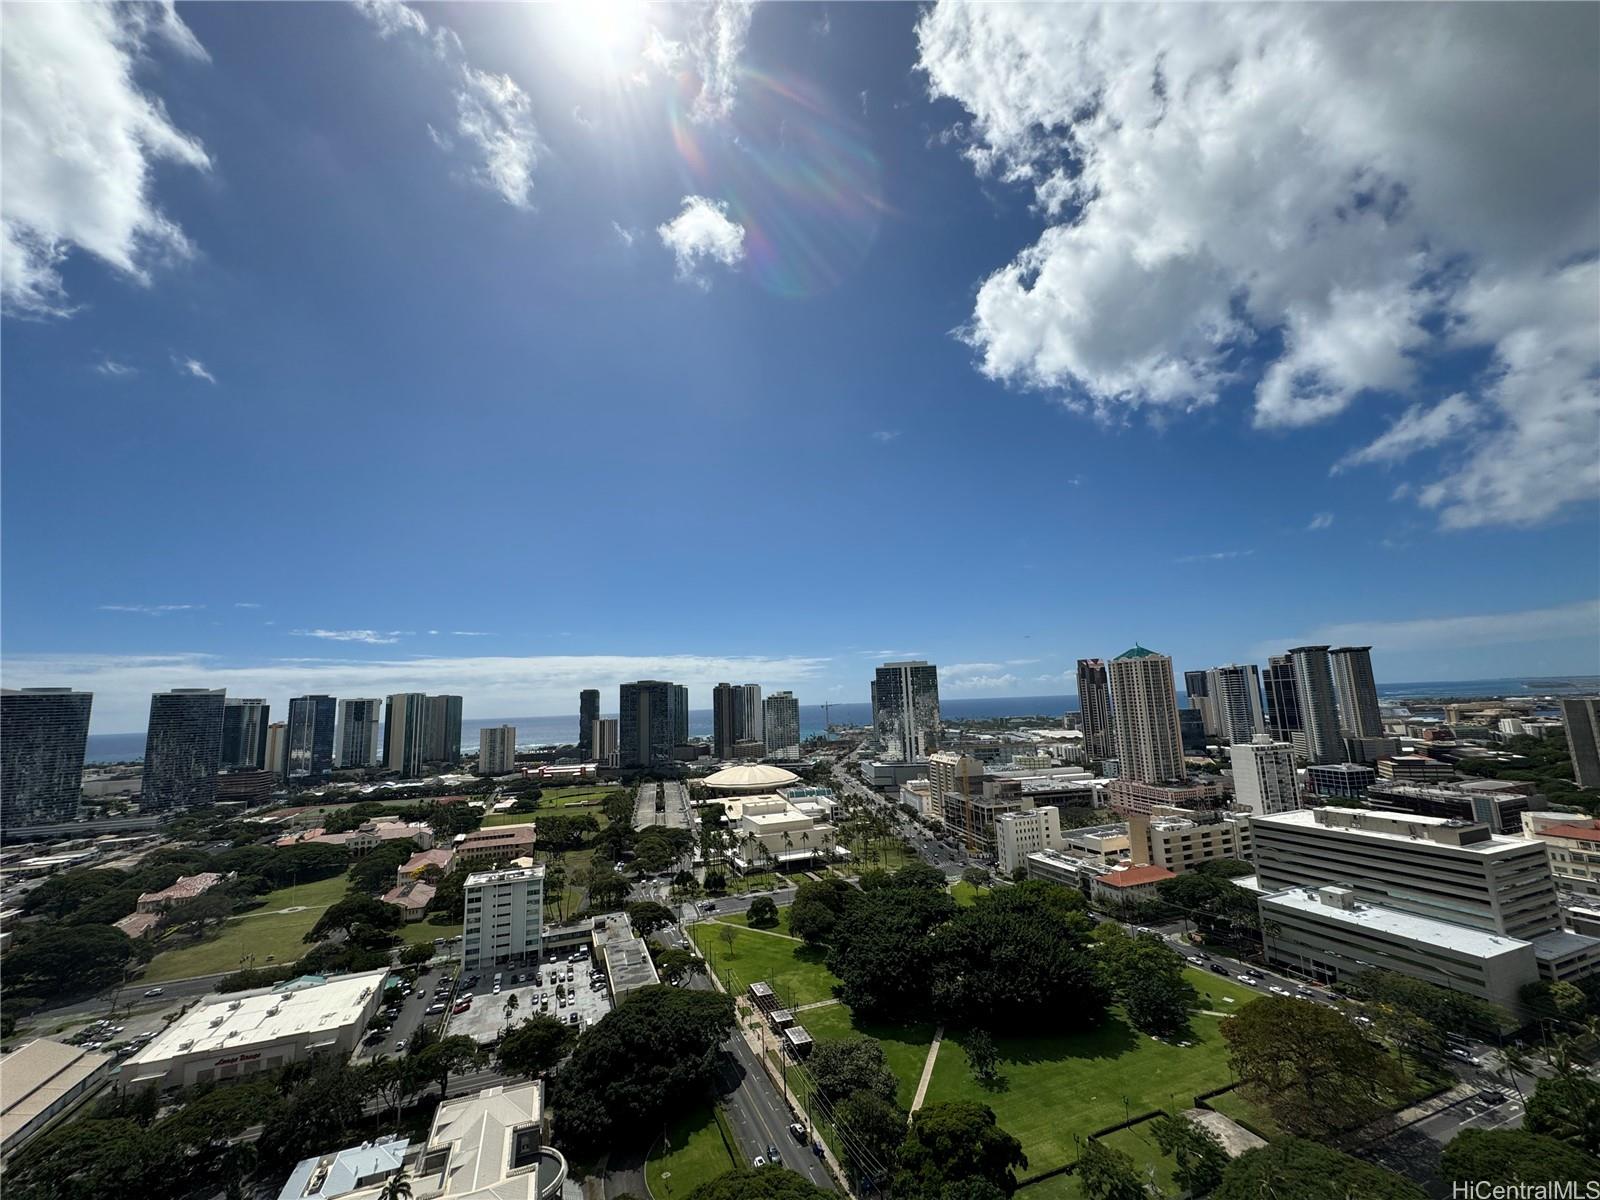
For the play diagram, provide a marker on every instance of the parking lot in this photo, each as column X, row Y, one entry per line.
column 584, row 996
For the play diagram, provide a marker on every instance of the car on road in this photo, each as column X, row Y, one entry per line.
column 772, row 1154
column 798, row 1132
column 1303, row 991
column 759, row 1160
column 1464, row 1055
column 151, row 993
column 1196, row 960
column 435, row 1010
column 497, row 989
column 1249, row 980
column 1278, row 991
column 1492, row 1097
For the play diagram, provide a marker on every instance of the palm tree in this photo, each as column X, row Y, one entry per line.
column 510, row 1007
column 398, row 1187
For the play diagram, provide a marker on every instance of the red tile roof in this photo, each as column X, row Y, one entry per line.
column 1134, row 876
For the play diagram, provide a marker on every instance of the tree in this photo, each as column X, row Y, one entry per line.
column 981, row 1055
column 1200, row 1157
column 657, row 1049
column 88, row 1160
column 1106, row 1173
column 763, row 913
column 675, row 965
column 396, row 1187
column 881, row 951
column 1292, row 1168
column 760, row 1183
column 69, row 960
column 816, row 908
column 1512, row 1156
column 511, row 1006
column 606, row 888
column 977, row 878
column 728, row 935
column 849, row 1065
column 1309, row 1064
column 445, row 1057
column 1435, row 1007
column 953, row 1141
column 647, row 916
column 877, row 1127
column 1566, row 1105
column 415, row 956
column 375, row 871
column 534, row 1047
column 324, row 1103
column 1147, row 979
column 354, row 910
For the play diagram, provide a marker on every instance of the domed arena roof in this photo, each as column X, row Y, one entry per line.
column 750, row 777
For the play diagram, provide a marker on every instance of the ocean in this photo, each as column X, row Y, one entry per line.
column 555, row 731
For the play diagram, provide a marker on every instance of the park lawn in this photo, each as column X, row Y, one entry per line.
column 317, row 894
column 741, row 919
column 1215, row 990
column 698, row 1154
column 1058, row 1086
column 966, row 895
column 891, row 856
column 1252, row 1116
column 510, row 818
column 567, row 797
column 423, row 932
column 904, row 1046
column 276, row 934
column 794, row 970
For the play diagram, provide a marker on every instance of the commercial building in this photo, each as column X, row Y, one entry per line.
column 603, row 741
column 497, row 749
column 916, row 793
column 275, row 757
column 356, row 734
column 1024, row 832
column 1415, row 768
column 1574, row 843
column 1282, row 696
column 1357, row 691
column 724, row 720
column 1181, row 843
column 405, row 733
column 951, row 773
column 1069, row 869
column 1581, row 716
column 1264, row 778
column 751, row 727
column 588, row 714
column 1345, row 781
column 1124, row 886
column 1145, row 717
column 1192, row 730
column 624, row 955
column 238, row 1035
column 1497, row 803
column 43, row 734
column 249, row 787
column 772, row 830
column 488, row 1146
column 781, row 720
column 496, row 844
column 1094, row 707
column 644, row 731
column 1128, row 797
column 444, row 729
column 244, row 733
column 1319, row 707
column 1371, row 750
column 41, row 1079
column 183, row 749
column 504, row 918
column 905, row 709
column 311, row 727
column 1197, row 689
column 1233, row 693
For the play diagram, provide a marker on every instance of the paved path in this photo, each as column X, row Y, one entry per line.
column 927, row 1070
column 770, row 933
column 814, row 1004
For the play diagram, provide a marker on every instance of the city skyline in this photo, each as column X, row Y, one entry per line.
column 785, row 249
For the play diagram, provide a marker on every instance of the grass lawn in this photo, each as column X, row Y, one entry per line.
column 966, row 895
column 508, row 818
column 260, row 932
column 566, row 797
column 417, row 933
column 1055, row 1086
column 1216, row 990
column 905, row 1046
column 741, row 919
column 1252, row 1116
column 698, row 1154
column 794, row 970
column 891, row 856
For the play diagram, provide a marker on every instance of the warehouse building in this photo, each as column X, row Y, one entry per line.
column 39, row 1080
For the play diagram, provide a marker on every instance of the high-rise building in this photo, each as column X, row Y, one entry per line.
column 1319, row 710
column 680, row 714
column 275, row 757
column 1283, row 698
column 497, row 749
column 603, row 737
column 244, row 733
column 311, row 727
column 1357, row 691
column 405, row 733
column 724, row 720
column 1581, row 716
column 356, row 735
column 1233, row 693
column 503, row 923
column 588, row 714
column 752, row 728
column 1145, row 717
column 1197, row 687
column 1263, row 776
column 444, row 729
column 1094, row 705
column 43, row 734
column 781, row 720
column 182, row 750
column 644, row 723
column 906, row 709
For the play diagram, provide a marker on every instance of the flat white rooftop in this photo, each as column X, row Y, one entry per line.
column 252, row 1018
column 515, row 875
column 1374, row 918
column 1383, row 825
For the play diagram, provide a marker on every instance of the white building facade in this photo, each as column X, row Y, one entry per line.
column 504, row 918
column 356, row 741
column 1264, row 776
column 497, row 750
column 1019, row 834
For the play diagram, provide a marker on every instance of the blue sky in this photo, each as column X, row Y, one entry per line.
column 506, row 350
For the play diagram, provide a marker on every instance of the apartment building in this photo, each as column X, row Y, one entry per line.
column 1263, row 775
column 504, row 918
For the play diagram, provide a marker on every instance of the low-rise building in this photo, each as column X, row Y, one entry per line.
column 1497, row 803
column 187, row 887
column 1098, row 841
column 238, row 1035
column 1574, row 842
column 411, row 898
column 1128, row 796
column 419, row 862
column 1182, row 843
column 914, row 792
column 1342, row 781
column 1019, row 834
column 496, row 844
column 769, row 829
column 138, row 924
column 1077, row 871
column 1415, row 768
column 625, row 956
column 41, row 1079
column 343, row 1172
column 1123, row 886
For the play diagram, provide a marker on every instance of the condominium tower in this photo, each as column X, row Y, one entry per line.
column 503, row 922
column 405, row 733
column 497, row 749
column 244, row 733
column 444, row 729
column 1233, row 694
column 182, row 749
column 311, row 728
column 603, row 738
column 588, row 714
column 781, row 721
column 1319, row 709
column 724, row 720
column 1263, row 776
column 1145, row 717
column 1581, row 715
column 1357, row 691
column 356, row 735
column 906, row 709
column 680, row 714
column 43, row 735
column 644, row 723
column 1094, row 705
column 1282, row 698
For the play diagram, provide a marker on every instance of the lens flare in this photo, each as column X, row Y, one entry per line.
column 797, row 172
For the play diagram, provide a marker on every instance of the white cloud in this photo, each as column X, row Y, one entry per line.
column 469, row 633
column 194, row 367
column 245, row 604
column 702, row 232
column 114, row 369
column 624, row 235
column 371, row 637
column 491, row 686
column 1568, row 621
column 715, row 44
column 150, row 610
column 493, row 114
column 1313, row 199
column 975, row 679
column 885, row 435
column 1419, row 428
column 1214, row 556
column 1322, row 520
column 80, row 140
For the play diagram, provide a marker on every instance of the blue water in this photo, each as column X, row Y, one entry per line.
column 556, row 731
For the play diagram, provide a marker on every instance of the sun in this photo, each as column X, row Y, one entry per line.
column 605, row 36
